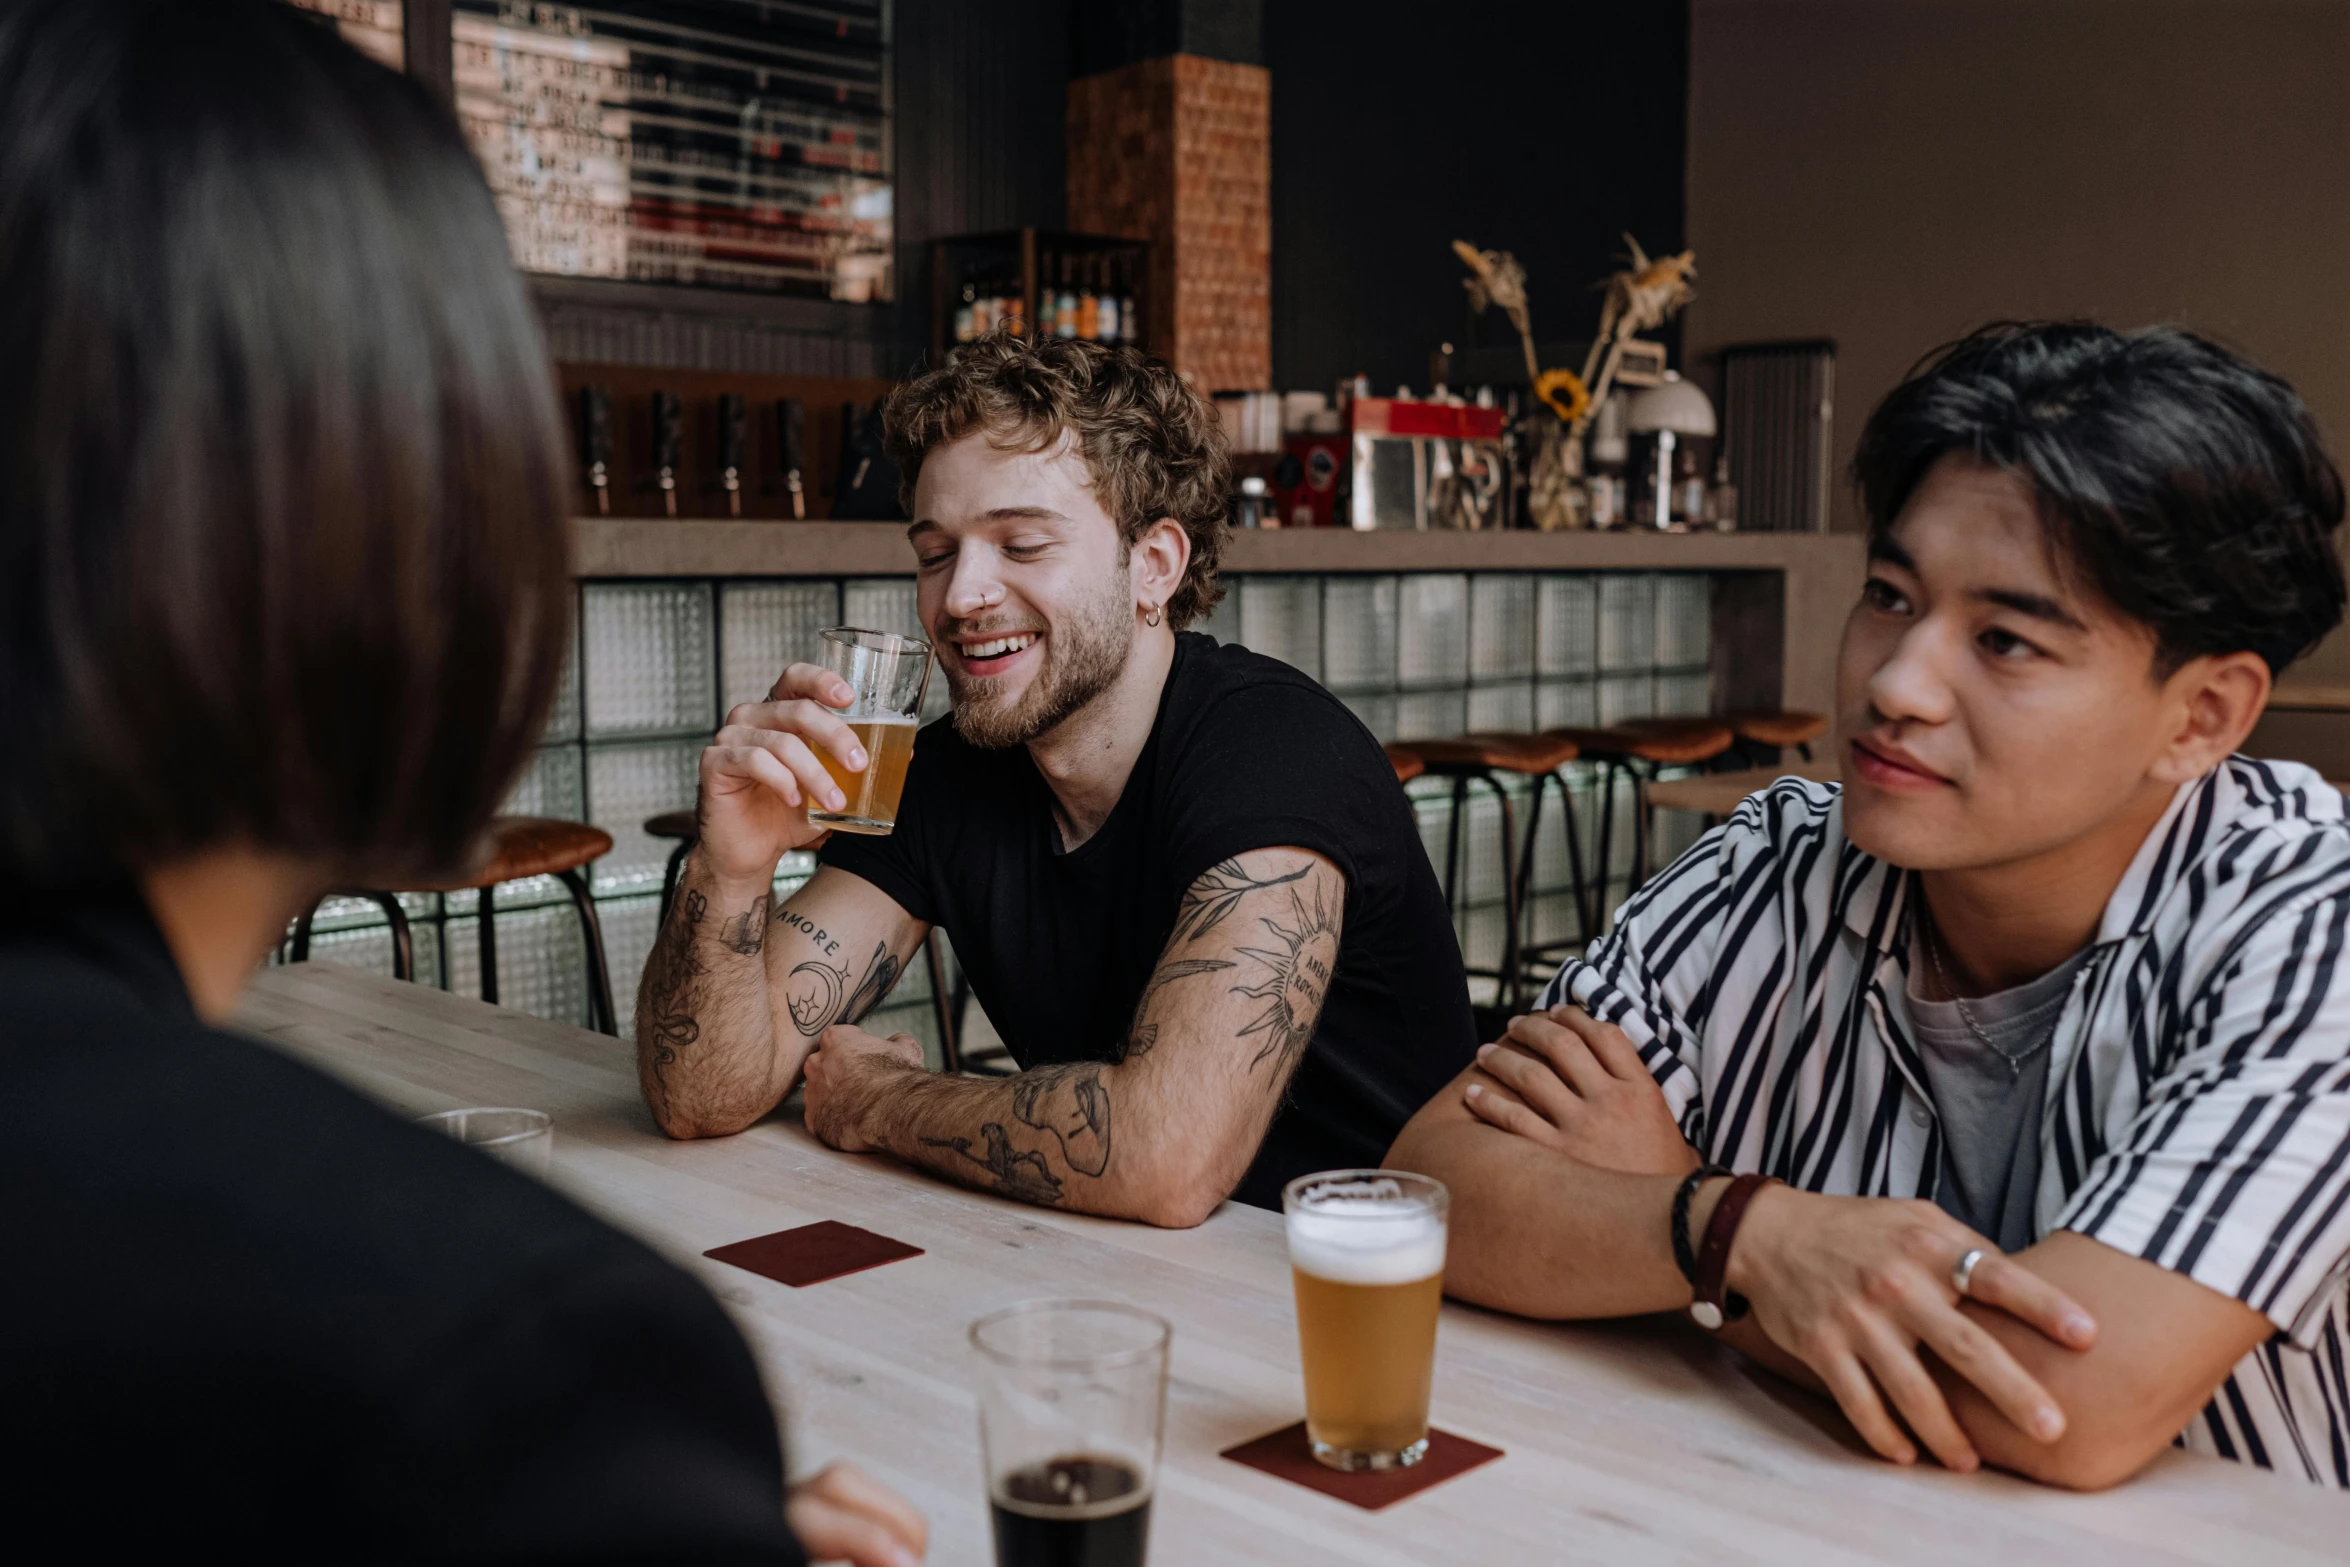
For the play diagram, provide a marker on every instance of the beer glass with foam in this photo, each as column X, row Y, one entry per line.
column 1366, row 1253
column 1070, row 1417
column 888, row 674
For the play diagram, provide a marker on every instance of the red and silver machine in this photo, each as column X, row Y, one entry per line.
column 1420, row 465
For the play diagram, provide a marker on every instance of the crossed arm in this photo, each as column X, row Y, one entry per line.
column 739, row 1003
column 2070, row 1362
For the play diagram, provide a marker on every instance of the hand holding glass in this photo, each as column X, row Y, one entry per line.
column 888, row 675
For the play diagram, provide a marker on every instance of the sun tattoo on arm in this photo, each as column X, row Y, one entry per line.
column 1302, row 966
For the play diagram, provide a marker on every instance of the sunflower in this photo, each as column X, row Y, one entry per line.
column 1576, row 398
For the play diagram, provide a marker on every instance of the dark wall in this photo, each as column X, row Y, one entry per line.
column 1543, row 127
column 981, row 116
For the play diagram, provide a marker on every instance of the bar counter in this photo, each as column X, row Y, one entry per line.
column 1802, row 582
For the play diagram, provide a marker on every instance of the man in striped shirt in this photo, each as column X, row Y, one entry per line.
column 2003, row 1093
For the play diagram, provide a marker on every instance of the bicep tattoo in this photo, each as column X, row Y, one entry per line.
column 822, row 990
column 1302, row 962
column 1209, row 901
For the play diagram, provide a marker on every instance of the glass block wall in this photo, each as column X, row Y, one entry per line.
column 1426, row 655
column 656, row 665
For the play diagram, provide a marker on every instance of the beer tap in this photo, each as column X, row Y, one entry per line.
column 595, row 444
column 666, row 417
column 791, row 421
column 730, row 451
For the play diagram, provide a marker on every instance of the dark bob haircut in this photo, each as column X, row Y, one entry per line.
column 282, row 481
column 2187, row 486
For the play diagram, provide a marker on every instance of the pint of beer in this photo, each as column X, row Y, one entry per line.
column 889, row 674
column 1366, row 1252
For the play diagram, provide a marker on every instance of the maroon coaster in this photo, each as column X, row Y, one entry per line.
column 1285, row 1453
column 813, row 1253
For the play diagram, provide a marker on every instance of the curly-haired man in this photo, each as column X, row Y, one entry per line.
column 1180, row 876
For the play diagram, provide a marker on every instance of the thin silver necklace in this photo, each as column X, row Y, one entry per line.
column 1966, row 1014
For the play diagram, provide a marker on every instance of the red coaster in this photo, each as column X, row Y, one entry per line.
column 813, row 1253
column 1286, row 1453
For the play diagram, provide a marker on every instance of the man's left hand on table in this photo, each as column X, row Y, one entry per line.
column 847, row 1076
column 1572, row 1083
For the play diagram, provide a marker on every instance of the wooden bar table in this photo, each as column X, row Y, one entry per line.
column 1627, row 1443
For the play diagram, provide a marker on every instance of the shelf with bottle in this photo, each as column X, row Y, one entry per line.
column 1086, row 286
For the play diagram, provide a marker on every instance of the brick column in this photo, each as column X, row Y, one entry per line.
column 1177, row 150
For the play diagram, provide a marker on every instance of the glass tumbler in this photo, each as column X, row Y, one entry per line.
column 1366, row 1255
column 888, row 674
column 524, row 1139
column 1071, row 1411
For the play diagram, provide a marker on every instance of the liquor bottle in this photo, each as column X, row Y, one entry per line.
column 1113, row 321
column 1015, row 307
column 1089, row 311
column 1048, row 302
column 1129, row 324
column 966, row 315
column 1721, row 502
column 1066, row 301
column 1689, row 492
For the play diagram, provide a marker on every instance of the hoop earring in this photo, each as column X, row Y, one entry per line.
column 1155, row 616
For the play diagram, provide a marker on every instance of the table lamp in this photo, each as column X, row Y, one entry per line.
column 1669, row 410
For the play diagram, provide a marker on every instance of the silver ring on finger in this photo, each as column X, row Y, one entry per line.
column 1962, row 1273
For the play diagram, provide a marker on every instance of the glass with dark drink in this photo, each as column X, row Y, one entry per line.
column 1070, row 1411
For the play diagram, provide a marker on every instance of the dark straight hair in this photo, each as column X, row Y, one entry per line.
column 282, row 482
column 2186, row 485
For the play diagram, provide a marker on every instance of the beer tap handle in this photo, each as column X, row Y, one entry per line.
column 730, row 450
column 791, row 420
column 666, row 420
column 595, row 444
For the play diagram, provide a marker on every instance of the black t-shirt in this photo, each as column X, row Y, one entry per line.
column 1246, row 754
column 253, row 1317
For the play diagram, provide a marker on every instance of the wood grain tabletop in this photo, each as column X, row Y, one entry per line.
column 1633, row 1442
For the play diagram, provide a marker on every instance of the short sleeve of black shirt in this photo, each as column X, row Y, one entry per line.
column 1246, row 753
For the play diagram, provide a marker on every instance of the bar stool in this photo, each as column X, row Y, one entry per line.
column 1639, row 747
column 685, row 828
column 1768, row 734
column 1480, row 759
column 517, row 847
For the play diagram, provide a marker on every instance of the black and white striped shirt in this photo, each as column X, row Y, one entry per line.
column 2198, row 1103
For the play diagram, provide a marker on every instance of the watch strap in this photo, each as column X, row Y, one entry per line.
column 1685, row 1251
column 1716, row 1303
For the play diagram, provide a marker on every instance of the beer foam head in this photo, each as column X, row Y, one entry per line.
column 1361, row 1234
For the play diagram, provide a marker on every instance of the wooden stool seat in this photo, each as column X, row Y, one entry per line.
column 1528, row 754
column 1406, row 762
column 1718, row 794
column 1667, row 742
column 673, row 824
column 1780, row 729
column 524, row 846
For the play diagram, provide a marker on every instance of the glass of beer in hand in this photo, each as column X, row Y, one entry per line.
column 1366, row 1253
column 888, row 673
column 1070, row 1416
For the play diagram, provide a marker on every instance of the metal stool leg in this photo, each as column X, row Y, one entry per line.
column 487, row 933
column 1452, row 839
column 302, row 935
column 403, row 947
column 941, row 1003
column 599, row 977
column 669, row 878
column 1508, row 988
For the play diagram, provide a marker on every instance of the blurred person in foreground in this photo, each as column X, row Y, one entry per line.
column 2042, row 1019
column 1181, row 877
column 283, row 598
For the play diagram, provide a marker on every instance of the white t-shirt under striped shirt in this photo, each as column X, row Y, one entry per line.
column 2198, row 1099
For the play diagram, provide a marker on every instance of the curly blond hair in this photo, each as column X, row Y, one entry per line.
column 1151, row 442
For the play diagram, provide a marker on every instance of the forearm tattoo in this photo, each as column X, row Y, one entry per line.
column 1069, row 1103
column 665, row 1004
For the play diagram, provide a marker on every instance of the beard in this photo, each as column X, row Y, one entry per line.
column 1083, row 655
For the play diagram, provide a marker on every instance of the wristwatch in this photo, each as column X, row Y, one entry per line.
column 1716, row 1303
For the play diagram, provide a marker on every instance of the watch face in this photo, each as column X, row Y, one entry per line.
column 1705, row 1314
